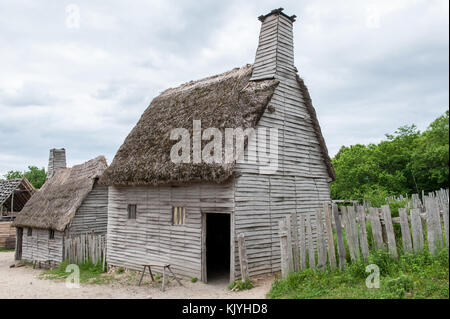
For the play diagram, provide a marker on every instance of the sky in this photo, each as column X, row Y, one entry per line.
column 79, row 74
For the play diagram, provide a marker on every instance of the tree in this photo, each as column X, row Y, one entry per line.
column 408, row 161
column 34, row 175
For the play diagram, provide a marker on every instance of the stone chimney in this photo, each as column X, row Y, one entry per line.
column 56, row 159
column 275, row 53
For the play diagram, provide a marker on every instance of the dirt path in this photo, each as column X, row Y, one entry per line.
column 24, row 282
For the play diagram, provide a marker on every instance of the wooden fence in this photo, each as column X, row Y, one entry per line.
column 86, row 247
column 334, row 228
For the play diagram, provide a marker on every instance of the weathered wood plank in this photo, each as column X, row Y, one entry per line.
column 311, row 252
column 392, row 244
column 417, row 230
column 406, row 234
column 445, row 217
column 284, row 249
column 354, row 231
column 339, row 236
column 361, row 212
column 330, row 237
column 321, row 245
column 302, row 241
column 289, row 238
column 376, row 228
column 294, row 236
column 243, row 262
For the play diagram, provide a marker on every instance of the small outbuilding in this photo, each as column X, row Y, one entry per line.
column 69, row 203
column 14, row 194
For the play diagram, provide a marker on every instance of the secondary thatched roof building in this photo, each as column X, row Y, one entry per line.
column 189, row 214
column 69, row 202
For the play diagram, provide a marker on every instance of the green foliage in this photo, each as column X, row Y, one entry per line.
column 412, row 276
column 241, row 285
column 34, row 175
column 120, row 270
column 194, row 279
column 408, row 161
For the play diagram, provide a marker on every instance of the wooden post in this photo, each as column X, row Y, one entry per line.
column 283, row 248
column 376, row 228
column 289, row 239
column 348, row 232
column 363, row 232
column 330, row 237
column 392, row 245
column 354, row 230
column 445, row 217
column 311, row 252
column 243, row 257
column 321, row 246
column 302, row 240
column 406, row 234
column 434, row 228
column 339, row 236
column 294, row 236
column 417, row 231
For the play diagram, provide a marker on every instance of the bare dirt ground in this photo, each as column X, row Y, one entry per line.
column 25, row 282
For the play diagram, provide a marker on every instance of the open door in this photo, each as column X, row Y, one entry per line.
column 216, row 247
column 19, row 238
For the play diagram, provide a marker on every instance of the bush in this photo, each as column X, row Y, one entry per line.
column 399, row 286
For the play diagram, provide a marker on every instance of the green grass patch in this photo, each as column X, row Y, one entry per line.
column 420, row 276
column 194, row 279
column 89, row 273
column 4, row 250
column 240, row 285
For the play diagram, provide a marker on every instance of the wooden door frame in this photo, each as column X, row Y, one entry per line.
column 204, row 276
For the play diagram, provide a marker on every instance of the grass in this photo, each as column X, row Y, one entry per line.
column 240, row 285
column 419, row 276
column 89, row 273
column 4, row 250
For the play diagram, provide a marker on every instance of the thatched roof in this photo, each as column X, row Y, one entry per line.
column 227, row 100
column 55, row 204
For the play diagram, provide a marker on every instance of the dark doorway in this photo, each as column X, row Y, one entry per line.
column 218, row 247
column 19, row 235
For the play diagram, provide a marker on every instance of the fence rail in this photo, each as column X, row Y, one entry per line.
column 335, row 227
column 86, row 247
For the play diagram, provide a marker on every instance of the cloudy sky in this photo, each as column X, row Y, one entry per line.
column 78, row 74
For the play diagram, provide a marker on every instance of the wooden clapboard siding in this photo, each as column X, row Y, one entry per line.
column 40, row 247
column 152, row 237
column 301, row 182
column 7, row 235
column 92, row 215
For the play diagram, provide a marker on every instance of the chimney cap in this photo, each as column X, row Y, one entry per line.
column 277, row 11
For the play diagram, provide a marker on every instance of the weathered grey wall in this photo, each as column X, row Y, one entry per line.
column 40, row 247
column 301, row 182
column 152, row 237
column 92, row 215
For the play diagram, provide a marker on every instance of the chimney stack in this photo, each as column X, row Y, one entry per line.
column 275, row 53
column 57, row 159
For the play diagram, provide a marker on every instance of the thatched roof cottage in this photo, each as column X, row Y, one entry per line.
column 188, row 211
column 69, row 203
